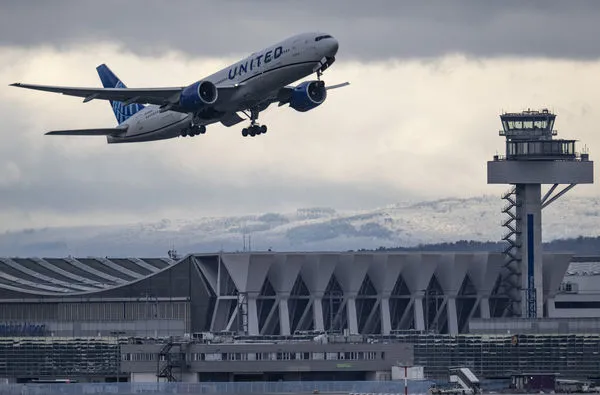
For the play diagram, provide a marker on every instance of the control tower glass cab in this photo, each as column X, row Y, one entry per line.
column 528, row 124
column 529, row 137
column 533, row 157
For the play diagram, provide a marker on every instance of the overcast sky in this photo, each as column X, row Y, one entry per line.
column 419, row 121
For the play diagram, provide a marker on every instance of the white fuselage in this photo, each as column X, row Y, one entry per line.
column 259, row 75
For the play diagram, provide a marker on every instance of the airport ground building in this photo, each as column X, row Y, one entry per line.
column 287, row 316
column 260, row 293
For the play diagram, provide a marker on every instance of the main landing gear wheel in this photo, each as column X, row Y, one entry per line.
column 194, row 131
column 254, row 130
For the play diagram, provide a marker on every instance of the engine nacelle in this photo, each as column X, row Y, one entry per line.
column 198, row 95
column 308, row 95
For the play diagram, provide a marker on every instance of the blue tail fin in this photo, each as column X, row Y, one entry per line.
column 110, row 80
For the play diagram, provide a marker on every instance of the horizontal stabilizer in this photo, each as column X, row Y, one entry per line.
column 89, row 132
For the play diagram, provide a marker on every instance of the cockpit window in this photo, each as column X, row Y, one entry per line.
column 319, row 38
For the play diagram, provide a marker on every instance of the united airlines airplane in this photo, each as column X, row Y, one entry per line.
column 248, row 87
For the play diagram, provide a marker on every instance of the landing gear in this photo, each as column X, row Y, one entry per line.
column 254, row 129
column 193, row 130
column 323, row 65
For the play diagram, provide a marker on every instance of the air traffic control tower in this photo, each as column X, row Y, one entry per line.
column 532, row 158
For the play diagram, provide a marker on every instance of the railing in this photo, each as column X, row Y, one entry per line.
column 528, row 132
column 575, row 157
column 281, row 387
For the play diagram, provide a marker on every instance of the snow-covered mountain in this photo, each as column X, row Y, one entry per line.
column 310, row 229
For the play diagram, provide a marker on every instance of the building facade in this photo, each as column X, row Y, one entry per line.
column 303, row 359
column 111, row 319
column 361, row 293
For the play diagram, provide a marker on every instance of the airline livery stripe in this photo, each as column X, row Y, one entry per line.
column 279, row 68
column 123, row 112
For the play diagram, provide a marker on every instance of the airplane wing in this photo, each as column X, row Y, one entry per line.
column 89, row 132
column 168, row 97
column 142, row 96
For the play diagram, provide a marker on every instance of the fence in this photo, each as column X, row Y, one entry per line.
column 242, row 388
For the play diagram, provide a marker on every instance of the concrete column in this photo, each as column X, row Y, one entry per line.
column 252, row 316
column 450, row 273
column 419, row 315
column 283, row 274
column 350, row 272
column 452, row 316
column 352, row 318
column 318, row 314
column 483, row 272
column 386, row 321
column 284, row 317
column 530, row 213
column 316, row 273
column 417, row 273
column 384, row 272
column 484, row 307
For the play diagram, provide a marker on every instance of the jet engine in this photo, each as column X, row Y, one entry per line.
column 198, row 95
column 308, row 95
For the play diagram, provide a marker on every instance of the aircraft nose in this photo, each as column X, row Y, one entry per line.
column 333, row 46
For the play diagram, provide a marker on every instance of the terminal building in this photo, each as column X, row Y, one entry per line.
column 270, row 316
column 280, row 316
column 258, row 294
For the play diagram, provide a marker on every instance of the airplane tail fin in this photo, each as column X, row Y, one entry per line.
column 110, row 80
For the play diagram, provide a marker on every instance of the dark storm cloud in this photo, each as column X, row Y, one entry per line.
column 367, row 29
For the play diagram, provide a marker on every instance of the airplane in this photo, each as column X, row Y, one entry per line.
column 248, row 87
